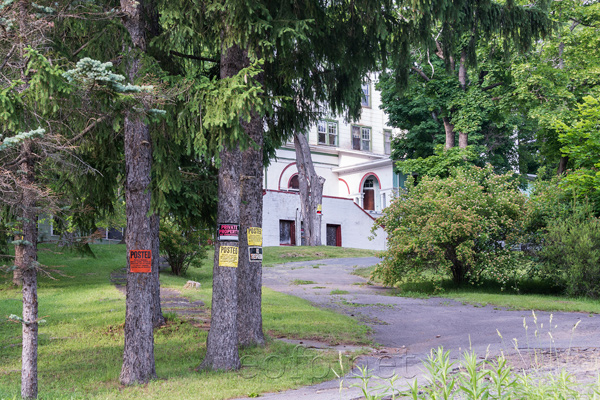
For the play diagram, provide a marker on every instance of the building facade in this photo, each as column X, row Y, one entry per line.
column 354, row 159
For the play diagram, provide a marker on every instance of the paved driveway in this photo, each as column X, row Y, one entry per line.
column 408, row 328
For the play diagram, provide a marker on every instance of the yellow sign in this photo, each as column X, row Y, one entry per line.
column 228, row 256
column 254, row 236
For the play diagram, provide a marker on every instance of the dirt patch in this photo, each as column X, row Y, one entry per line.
column 171, row 301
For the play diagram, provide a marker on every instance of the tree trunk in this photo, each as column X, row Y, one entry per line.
column 462, row 70
column 157, row 317
column 249, row 273
column 449, row 128
column 311, row 190
column 17, row 273
column 222, row 342
column 138, row 355
column 463, row 138
column 26, row 256
column 562, row 165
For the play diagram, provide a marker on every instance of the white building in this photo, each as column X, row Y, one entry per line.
column 354, row 159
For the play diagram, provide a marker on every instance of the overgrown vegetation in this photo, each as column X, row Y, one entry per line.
column 472, row 378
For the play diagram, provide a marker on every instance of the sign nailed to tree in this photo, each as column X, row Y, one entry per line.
column 229, row 232
column 254, row 236
column 255, row 254
column 140, row 261
column 228, row 256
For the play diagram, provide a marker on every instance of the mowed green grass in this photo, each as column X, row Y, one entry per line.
column 283, row 254
column 532, row 294
column 81, row 344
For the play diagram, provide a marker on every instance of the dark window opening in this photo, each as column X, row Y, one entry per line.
column 294, row 183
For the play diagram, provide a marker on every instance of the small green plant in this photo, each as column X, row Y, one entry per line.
column 182, row 246
column 302, row 282
column 474, row 379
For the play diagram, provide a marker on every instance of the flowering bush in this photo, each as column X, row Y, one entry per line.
column 463, row 225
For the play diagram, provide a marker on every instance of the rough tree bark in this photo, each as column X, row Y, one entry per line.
column 25, row 260
column 138, row 355
column 249, row 274
column 17, row 278
column 222, row 342
column 311, row 190
column 157, row 317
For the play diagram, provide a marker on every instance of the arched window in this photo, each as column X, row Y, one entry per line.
column 294, row 184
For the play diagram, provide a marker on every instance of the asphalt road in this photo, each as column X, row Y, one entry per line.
column 409, row 328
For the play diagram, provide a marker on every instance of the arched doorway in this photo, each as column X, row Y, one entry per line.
column 370, row 192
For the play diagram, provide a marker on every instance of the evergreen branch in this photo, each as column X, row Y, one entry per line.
column 192, row 57
column 88, row 42
column 88, row 129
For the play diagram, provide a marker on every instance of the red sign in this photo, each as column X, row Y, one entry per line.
column 140, row 261
column 229, row 232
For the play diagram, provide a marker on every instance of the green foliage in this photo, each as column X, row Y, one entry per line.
column 424, row 91
column 439, row 164
column 463, row 225
column 570, row 253
column 90, row 72
column 182, row 246
column 581, row 143
column 550, row 81
column 21, row 137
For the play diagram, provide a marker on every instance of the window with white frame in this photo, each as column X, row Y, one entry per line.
column 387, row 141
column 361, row 138
column 366, row 95
column 328, row 132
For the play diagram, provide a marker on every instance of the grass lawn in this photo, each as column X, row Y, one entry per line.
column 533, row 295
column 283, row 254
column 81, row 344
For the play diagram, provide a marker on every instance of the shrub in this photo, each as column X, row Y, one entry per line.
column 570, row 252
column 182, row 246
column 463, row 225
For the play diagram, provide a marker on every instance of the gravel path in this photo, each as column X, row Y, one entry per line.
column 408, row 328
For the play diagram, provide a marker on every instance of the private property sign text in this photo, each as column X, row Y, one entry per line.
column 229, row 232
